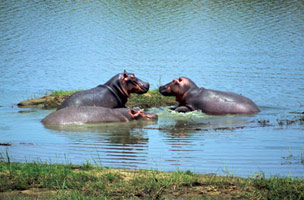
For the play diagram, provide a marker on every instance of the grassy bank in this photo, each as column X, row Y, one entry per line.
column 148, row 100
column 57, row 181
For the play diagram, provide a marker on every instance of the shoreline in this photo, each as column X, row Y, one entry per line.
column 66, row 181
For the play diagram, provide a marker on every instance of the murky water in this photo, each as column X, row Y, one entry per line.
column 255, row 48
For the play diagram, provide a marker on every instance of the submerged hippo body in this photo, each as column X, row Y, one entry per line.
column 113, row 94
column 191, row 97
column 94, row 114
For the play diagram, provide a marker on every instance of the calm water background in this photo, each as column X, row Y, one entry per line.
column 255, row 48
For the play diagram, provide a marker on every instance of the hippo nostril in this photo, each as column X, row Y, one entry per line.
column 147, row 86
column 142, row 87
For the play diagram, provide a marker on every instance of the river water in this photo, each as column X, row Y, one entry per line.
column 255, row 48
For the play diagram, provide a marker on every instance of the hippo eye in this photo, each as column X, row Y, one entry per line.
column 180, row 79
column 132, row 77
column 133, row 80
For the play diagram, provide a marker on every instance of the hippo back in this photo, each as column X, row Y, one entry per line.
column 86, row 115
column 220, row 102
column 98, row 96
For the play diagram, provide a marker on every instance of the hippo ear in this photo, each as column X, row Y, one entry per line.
column 125, row 74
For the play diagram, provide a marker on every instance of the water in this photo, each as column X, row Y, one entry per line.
column 254, row 48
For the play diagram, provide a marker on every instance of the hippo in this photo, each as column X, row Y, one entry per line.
column 113, row 94
column 95, row 114
column 214, row 102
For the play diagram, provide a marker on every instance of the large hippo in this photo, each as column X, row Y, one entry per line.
column 191, row 97
column 113, row 94
column 95, row 114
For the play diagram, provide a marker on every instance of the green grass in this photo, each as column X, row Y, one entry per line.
column 151, row 99
column 57, row 181
column 62, row 92
column 281, row 188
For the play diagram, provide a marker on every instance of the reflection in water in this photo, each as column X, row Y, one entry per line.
column 189, row 136
column 120, row 133
column 121, row 144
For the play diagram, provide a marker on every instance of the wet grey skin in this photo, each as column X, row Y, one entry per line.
column 95, row 114
column 112, row 94
column 214, row 102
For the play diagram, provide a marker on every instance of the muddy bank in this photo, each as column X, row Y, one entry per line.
column 47, row 102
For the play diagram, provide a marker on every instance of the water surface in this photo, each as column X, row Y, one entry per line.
column 254, row 48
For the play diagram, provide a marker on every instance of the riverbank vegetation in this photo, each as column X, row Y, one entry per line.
column 57, row 181
column 148, row 100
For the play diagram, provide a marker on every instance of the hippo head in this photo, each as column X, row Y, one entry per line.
column 141, row 115
column 133, row 84
column 126, row 83
column 177, row 88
